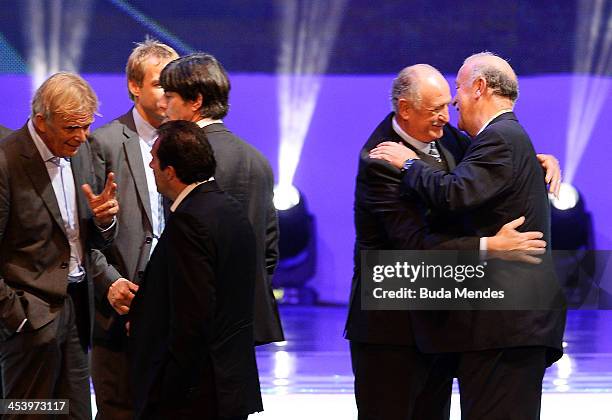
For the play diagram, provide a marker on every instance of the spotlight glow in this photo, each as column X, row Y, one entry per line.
column 285, row 197
column 308, row 31
column 55, row 31
column 568, row 197
column 591, row 81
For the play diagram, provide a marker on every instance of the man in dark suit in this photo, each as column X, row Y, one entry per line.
column 394, row 378
column 48, row 229
column 124, row 147
column 499, row 357
column 4, row 131
column 197, row 89
column 191, row 322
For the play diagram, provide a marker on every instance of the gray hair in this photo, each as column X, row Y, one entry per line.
column 405, row 86
column 498, row 80
column 65, row 94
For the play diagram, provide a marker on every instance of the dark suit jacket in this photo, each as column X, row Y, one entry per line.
column 245, row 174
column 191, row 330
column 116, row 148
column 34, row 249
column 4, row 131
column 498, row 180
column 386, row 220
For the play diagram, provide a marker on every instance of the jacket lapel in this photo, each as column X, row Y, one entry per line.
column 133, row 155
column 37, row 172
column 448, row 156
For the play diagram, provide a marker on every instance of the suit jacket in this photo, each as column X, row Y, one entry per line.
column 245, row 174
column 116, row 148
column 386, row 219
column 191, row 329
column 498, row 180
column 34, row 249
column 4, row 131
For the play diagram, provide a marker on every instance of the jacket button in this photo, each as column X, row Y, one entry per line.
column 64, row 265
column 148, row 240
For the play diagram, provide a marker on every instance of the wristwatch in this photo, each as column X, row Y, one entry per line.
column 407, row 164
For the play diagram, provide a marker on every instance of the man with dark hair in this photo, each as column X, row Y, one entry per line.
column 47, row 231
column 499, row 357
column 123, row 146
column 191, row 322
column 197, row 89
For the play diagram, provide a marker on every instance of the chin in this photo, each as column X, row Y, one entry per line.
column 436, row 134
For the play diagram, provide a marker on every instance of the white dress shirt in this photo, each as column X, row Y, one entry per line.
column 62, row 180
column 147, row 135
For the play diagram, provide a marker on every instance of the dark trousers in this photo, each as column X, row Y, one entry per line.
column 399, row 383
column 500, row 384
column 49, row 362
column 110, row 376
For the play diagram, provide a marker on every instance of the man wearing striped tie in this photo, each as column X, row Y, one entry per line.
column 395, row 378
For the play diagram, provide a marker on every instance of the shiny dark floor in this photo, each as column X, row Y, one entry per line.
column 315, row 358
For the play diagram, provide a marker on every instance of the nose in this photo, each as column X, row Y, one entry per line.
column 162, row 103
column 81, row 134
column 443, row 116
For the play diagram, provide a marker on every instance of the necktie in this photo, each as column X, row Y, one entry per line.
column 433, row 152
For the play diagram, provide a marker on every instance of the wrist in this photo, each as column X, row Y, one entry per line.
column 408, row 164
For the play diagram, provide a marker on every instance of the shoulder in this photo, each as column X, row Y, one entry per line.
column 110, row 132
column 226, row 144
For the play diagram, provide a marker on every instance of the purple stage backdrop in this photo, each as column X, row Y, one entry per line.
column 348, row 109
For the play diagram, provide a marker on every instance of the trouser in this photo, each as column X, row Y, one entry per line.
column 48, row 362
column 399, row 383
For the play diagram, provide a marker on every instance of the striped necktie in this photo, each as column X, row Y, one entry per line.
column 433, row 152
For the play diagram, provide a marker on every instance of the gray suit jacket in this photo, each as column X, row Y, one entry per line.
column 116, row 148
column 244, row 173
column 34, row 249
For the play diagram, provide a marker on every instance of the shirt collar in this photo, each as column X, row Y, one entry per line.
column 186, row 192
column 44, row 151
column 503, row 111
column 207, row 121
column 417, row 144
column 145, row 131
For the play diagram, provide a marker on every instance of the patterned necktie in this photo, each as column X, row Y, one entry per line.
column 433, row 152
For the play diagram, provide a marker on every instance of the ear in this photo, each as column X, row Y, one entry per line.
column 170, row 173
column 197, row 104
column 480, row 85
column 40, row 123
column 403, row 109
column 134, row 88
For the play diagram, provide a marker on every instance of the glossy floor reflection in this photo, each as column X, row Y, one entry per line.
column 313, row 366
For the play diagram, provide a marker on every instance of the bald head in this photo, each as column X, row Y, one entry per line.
column 497, row 73
column 410, row 82
column 420, row 97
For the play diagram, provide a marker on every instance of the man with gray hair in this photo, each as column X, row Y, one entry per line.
column 47, row 232
column 123, row 146
column 499, row 357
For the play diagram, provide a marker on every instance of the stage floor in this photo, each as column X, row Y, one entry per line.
column 310, row 375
